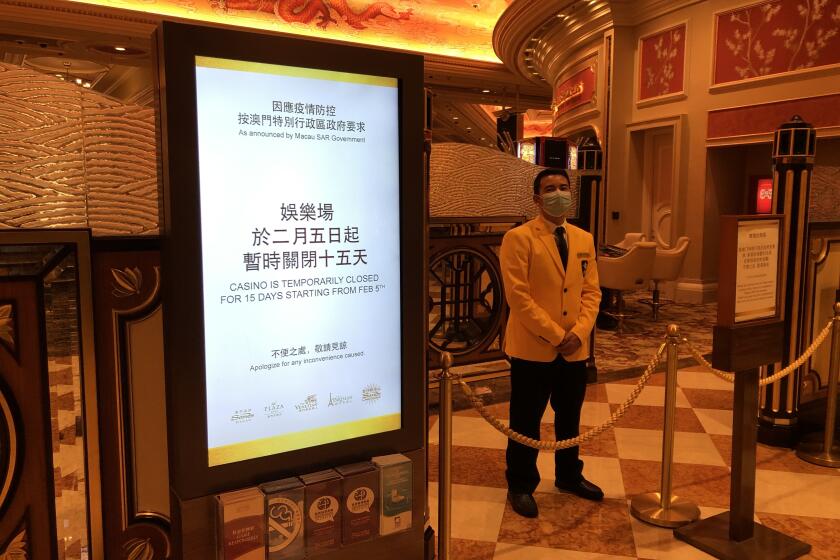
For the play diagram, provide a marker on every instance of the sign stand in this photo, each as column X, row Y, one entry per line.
column 734, row 535
column 750, row 333
column 234, row 314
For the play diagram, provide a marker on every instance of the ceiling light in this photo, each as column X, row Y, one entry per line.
column 120, row 49
column 485, row 91
column 79, row 81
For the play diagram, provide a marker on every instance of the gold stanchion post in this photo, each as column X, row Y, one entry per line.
column 820, row 448
column 663, row 508
column 445, row 457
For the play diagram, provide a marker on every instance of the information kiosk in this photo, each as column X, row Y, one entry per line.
column 293, row 262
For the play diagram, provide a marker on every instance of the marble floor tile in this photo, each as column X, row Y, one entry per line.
column 797, row 494
column 465, row 549
column 471, row 432
column 594, row 413
column 708, row 398
column 499, row 410
column 603, row 471
column 650, row 395
column 773, row 458
column 596, row 392
column 601, row 445
column 548, row 415
column 476, row 511
column 700, row 378
column 507, row 551
column 571, row 523
column 475, row 466
column 715, row 421
column 656, row 380
column 657, row 543
column 653, row 418
column 821, row 534
column 702, row 484
column 646, row 445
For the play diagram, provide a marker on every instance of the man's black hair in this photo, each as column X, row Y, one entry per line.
column 546, row 173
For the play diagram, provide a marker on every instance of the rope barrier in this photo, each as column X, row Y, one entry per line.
column 566, row 443
column 730, row 377
column 548, row 445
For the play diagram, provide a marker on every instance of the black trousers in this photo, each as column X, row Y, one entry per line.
column 533, row 385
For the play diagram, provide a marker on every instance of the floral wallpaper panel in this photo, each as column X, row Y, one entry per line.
column 774, row 37
column 662, row 63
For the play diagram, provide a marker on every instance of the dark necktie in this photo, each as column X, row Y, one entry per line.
column 562, row 246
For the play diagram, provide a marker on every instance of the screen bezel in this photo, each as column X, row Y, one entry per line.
column 178, row 45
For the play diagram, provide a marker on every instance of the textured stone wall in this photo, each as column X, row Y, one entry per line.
column 71, row 157
column 467, row 180
column 825, row 182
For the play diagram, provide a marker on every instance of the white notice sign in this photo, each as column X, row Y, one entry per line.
column 300, row 222
column 756, row 275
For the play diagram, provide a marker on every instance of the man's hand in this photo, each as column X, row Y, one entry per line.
column 569, row 345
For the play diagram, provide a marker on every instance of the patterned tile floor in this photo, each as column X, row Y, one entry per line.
column 797, row 498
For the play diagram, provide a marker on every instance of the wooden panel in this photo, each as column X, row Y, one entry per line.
column 126, row 276
column 748, row 346
column 30, row 500
column 465, row 237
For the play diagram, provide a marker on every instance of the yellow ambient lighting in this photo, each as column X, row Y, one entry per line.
column 446, row 27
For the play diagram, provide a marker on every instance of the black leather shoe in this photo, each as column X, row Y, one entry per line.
column 523, row 504
column 582, row 488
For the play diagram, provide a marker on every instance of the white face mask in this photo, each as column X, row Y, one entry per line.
column 556, row 203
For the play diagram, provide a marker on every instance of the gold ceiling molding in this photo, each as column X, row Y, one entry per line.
column 539, row 41
column 92, row 18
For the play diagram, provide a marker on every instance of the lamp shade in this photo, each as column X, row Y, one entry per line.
column 794, row 140
column 589, row 155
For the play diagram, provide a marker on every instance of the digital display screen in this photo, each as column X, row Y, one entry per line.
column 300, row 245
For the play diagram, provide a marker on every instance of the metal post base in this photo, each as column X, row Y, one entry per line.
column 647, row 508
column 812, row 449
column 712, row 537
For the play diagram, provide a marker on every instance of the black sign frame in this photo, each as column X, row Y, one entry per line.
column 178, row 45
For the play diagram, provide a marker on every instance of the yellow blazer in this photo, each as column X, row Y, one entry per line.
column 547, row 300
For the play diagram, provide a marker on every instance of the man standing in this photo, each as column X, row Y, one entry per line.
column 551, row 285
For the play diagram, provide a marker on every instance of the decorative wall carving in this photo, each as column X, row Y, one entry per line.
column 825, row 194
column 775, row 37
column 662, row 63
column 8, row 328
column 10, row 458
column 139, row 549
column 127, row 282
column 16, row 549
column 27, row 493
column 71, row 157
column 129, row 359
column 467, row 180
